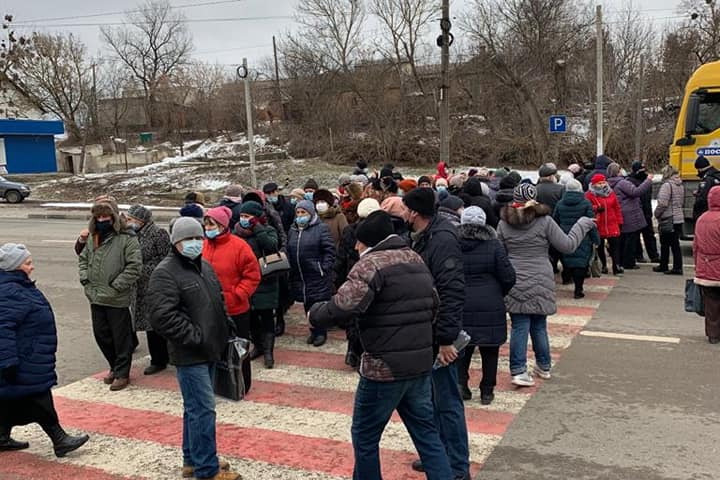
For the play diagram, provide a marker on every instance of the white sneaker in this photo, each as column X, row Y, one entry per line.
column 544, row 374
column 523, row 380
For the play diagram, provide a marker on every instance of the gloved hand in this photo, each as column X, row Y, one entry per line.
column 9, row 374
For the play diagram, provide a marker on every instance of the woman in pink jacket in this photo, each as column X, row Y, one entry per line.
column 706, row 250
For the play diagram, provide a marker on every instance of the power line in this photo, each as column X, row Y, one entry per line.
column 198, row 20
column 107, row 14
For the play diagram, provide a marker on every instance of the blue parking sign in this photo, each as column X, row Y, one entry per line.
column 558, row 124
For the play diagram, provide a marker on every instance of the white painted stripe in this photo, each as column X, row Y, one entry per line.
column 569, row 320
column 59, row 241
column 628, row 336
column 142, row 459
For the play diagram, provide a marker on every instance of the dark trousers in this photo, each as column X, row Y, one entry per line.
column 37, row 408
column 262, row 321
column 671, row 241
column 242, row 329
column 375, row 403
column 157, row 346
column 613, row 245
column 489, row 357
column 648, row 239
column 578, row 278
column 113, row 332
column 315, row 331
column 555, row 257
column 711, row 300
column 628, row 243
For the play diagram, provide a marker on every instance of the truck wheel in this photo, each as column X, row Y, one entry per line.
column 13, row 196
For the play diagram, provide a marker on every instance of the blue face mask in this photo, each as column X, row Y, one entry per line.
column 309, row 196
column 192, row 248
column 293, row 201
column 273, row 199
column 211, row 234
column 302, row 220
column 441, row 189
column 244, row 222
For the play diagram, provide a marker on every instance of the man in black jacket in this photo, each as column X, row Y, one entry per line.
column 437, row 242
column 637, row 177
column 710, row 177
column 188, row 310
column 390, row 293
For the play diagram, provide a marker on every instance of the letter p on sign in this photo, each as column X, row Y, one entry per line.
column 558, row 124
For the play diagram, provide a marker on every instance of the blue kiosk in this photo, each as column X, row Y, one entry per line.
column 28, row 146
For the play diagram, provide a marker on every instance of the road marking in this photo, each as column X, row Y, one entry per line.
column 627, row 336
column 58, row 241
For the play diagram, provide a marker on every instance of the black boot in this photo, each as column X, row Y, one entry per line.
column 465, row 391
column 268, row 346
column 257, row 340
column 62, row 442
column 7, row 443
column 280, row 323
column 486, row 396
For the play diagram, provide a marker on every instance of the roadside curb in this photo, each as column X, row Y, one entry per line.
column 75, row 216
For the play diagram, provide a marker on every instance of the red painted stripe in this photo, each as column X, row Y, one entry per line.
column 305, row 453
column 602, row 281
column 598, row 296
column 26, row 466
column 577, row 311
column 321, row 399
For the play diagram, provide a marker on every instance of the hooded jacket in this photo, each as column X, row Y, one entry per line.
column 439, row 247
column 629, row 197
column 670, row 200
column 311, row 251
column 489, row 276
column 706, row 245
column 28, row 339
column 273, row 217
column 601, row 164
column 571, row 207
column 709, row 179
column 234, row 204
column 607, row 213
column 187, row 309
column 336, row 223
column 236, row 268
column 549, row 193
column 109, row 266
column 390, row 293
column 527, row 233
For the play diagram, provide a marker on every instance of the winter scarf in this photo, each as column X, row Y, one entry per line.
column 601, row 191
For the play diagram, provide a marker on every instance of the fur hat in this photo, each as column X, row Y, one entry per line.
column 140, row 212
column 375, row 228
column 12, row 256
column 221, row 216
column 324, row 195
column 422, row 201
column 524, row 193
column 367, row 206
column 195, row 197
column 185, row 227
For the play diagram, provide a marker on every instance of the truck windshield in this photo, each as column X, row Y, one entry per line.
column 708, row 119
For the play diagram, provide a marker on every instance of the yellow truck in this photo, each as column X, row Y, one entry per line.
column 697, row 131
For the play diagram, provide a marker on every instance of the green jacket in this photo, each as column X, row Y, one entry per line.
column 263, row 240
column 109, row 272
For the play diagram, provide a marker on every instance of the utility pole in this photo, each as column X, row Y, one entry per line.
column 95, row 121
column 444, row 42
column 639, row 112
column 242, row 72
column 600, row 148
column 278, row 92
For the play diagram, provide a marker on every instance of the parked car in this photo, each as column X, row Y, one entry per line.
column 13, row 192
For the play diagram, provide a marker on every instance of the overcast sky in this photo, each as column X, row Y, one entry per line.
column 228, row 42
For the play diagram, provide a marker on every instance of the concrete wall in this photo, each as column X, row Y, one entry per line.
column 69, row 160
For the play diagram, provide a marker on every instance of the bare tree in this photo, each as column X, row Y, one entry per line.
column 206, row 81
column 55, row 75
column 13, row 48
column 154, row 45
column 114, row 87
column 702, row 28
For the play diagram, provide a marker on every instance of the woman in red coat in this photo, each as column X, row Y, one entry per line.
column 237, row 269
column 706, row 250
column 609, row 218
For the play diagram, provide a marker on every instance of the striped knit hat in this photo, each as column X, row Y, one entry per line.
column 524, row 193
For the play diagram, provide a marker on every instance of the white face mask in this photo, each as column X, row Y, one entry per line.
column 322, row 207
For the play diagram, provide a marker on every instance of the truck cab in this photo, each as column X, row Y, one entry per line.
column 697, row 132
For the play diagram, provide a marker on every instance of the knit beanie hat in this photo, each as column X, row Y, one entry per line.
column 375, row 228
column 637, row 166
column 221, row 216
column 195, row 197
column 422, row 201
column 501, row 173
column 613, row 170
column 344, row 179
column 311, row 183
column 424, row 179
column 452, row 202
column 252, row 208
column 308, row 206
column 473, row 215
column 185, row 227
column 298, row 194
column 547, row 170
column 702, row 163
column 270, row 187
column 12, row 255
column 192, row 210
column 516, row 176
column 524, row 193
column 597, row 178
column 395, row 206
column 234, row 191
column 407, row 185
column 566, row 177
column 140, row 212
column 367, row 206
column 573, row 186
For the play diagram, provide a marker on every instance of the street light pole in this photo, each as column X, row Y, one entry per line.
column 243, row 74
column 600, row 146
column 444, row 41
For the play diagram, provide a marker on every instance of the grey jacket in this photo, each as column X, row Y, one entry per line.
column 527, row 234
column 670, row 200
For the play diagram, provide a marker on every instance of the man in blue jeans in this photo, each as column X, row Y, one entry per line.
column 390, row 293
column 437, row 242
column 187, row 309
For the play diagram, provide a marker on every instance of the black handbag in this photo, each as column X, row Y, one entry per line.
column 228, row 381
column 694, row 301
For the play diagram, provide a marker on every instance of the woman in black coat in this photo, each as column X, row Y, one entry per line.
column 28, row 341
column 489, row 276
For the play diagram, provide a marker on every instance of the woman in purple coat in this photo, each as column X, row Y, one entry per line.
column 633, row 217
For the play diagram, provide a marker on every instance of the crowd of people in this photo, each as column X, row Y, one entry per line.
column 407, row 267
